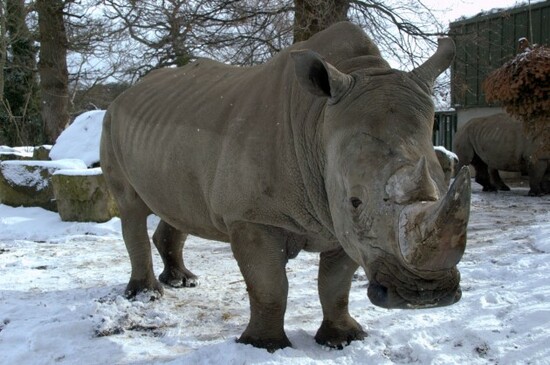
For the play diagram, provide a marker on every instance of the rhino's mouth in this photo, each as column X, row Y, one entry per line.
column 391, row 298
column 413, row 292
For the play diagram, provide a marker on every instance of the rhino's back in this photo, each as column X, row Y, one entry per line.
column 191, row 139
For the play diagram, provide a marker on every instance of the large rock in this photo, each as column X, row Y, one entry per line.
column 28, row 183
column 83, row 196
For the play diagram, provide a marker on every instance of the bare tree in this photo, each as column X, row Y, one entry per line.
column 92, row 61
column 403, row 29
column 161, row 32
column 52, row 67
column 124, row 39
column 172, row 32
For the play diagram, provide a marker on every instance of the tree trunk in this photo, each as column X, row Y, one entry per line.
column 2, row 48
column 52, row 67
column 312, row 16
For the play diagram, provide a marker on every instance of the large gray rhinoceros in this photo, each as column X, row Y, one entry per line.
column 498, row 142
column 324, row 148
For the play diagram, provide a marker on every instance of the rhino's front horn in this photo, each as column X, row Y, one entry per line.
column 438, row 62
column 432, row 235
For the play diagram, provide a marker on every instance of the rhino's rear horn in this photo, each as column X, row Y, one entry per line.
column 438, row 62
column 432, row 235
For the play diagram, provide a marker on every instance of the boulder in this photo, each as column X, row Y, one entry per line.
column 83, row 196
column 28, row 183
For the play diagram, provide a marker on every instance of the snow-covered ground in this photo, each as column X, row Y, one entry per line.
column 61, row 286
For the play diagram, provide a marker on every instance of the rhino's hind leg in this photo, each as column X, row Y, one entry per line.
column 133, row 217
column 497, row 181
column 482, row 174
column 261, row 254
column 338, row 329
column 169, row 242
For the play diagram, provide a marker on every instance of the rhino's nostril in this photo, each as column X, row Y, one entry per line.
column 356, row 202
column 378, row 294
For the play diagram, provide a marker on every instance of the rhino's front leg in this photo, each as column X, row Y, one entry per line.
column 338, row 329
column 261, row 254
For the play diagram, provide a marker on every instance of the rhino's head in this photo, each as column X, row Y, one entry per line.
column 391, row 209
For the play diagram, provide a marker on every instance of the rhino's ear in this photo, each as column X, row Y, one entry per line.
column 319, row 77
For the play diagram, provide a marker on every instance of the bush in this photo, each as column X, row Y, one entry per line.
column 21, row 131
column 522, row 85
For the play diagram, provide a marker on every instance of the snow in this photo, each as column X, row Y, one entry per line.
column 80, row 139
column 79, row 172
column 18, row 151
column 61, row 286
column 451, row 155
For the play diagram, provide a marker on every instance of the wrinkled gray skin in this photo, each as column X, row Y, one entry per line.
column 498, row 142
column 329, row 154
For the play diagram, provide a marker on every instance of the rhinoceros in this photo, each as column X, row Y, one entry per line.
column 324, row 148
column 498, row 142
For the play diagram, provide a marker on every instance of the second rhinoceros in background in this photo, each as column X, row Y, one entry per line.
column 498, row 142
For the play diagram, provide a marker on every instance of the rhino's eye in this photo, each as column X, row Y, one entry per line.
column 356, row 202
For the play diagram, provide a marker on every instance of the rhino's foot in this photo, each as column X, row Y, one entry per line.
column 270, row 344
column 151, row 289
column 339, row 336
column 535, row 192
column 181, row 278
column 490, row 188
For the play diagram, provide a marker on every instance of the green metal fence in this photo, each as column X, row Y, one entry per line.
column 485, row 42
column 445, row 125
